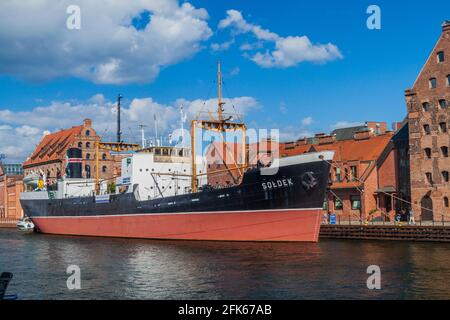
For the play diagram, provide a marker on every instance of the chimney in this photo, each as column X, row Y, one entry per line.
column 326, row 139
column 87, row 122
column 318, row 135
column 409, row 93
column 446, row 26
column 362, row 135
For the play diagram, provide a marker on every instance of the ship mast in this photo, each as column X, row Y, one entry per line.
column 219, row 93
column 219, row 125
column 119, row 133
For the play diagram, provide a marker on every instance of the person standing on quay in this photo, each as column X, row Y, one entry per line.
column 411, row 217
column 325, row 218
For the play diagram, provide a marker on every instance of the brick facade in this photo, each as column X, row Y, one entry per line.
column 224, row 159
column 50, row 155
column 363, row 179
column 428, row 103
column 10, row 188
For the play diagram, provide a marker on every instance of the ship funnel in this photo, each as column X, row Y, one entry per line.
column 74, row 163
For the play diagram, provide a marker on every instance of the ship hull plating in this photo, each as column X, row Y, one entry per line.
column 269, row 225
column 285, row 205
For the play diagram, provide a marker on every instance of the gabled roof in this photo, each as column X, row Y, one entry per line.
column 358, row 150
column 346, row 150
column 53, row 146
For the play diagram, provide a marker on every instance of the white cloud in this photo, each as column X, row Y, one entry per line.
column 98, row 98
column 251, row 46
column 27, row 131
column 293, row 133
column 233, row 106
column 289, row 51
column 307, row 121
column 222, row 46
column 234, row 72
column 107, row 49
column 31, row 125
column 283, row 108
column 345, row 124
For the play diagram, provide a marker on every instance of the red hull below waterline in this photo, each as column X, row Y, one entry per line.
column 263, row 225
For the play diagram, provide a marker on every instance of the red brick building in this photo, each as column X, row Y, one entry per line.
column 225, row 159
column 364, row 173
column 11, row 186
column 428, row 104
column 50, row 155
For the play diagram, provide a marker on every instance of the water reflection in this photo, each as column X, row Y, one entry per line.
column 138, row 269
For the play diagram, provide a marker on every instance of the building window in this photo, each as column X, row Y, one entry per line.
column 446, row 202
column 443, row 127
column 443, row 104
column 88, row 156
column 426, row 129
column 338, row 174
column 440, row 56
column 426, row 106
column 445, row 176
column 354, row 170
column 87, row 169
column 104, row 156
column 429, row 177
column 428, row 153
column 104, row 169
column 88, row 144
column 432, row 83
column 448, row 80
column 338, row 204
column 88, row 133
column 80, row 145
column 356, row 202
column 444, row 151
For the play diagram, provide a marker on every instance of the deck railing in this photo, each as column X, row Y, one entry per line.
column 441, row 221
column 8, row 221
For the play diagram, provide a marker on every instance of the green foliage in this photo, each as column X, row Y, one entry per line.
column 111, row 188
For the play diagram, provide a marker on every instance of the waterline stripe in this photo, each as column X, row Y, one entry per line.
column 175, row 213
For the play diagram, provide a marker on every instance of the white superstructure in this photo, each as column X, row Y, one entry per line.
column 159, row 172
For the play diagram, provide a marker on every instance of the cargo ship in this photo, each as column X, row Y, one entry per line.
column 163, row 193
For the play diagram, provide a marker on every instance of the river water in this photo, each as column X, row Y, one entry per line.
column 142, row 269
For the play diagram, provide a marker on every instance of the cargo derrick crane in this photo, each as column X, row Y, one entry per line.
column 219, row 124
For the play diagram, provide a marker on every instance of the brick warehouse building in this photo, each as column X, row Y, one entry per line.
column 364, row 177
column 223, row 160
column 11, row 186
column 428, row 119
column 50, row 155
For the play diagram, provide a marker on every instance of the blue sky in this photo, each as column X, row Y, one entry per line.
column 366, row 83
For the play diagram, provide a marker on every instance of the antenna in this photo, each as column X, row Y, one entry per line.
column 156, row 130
column 183, row 117
column 119, row 133
column 142, row 126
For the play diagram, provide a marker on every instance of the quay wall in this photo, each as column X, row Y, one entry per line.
column 427, row 233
